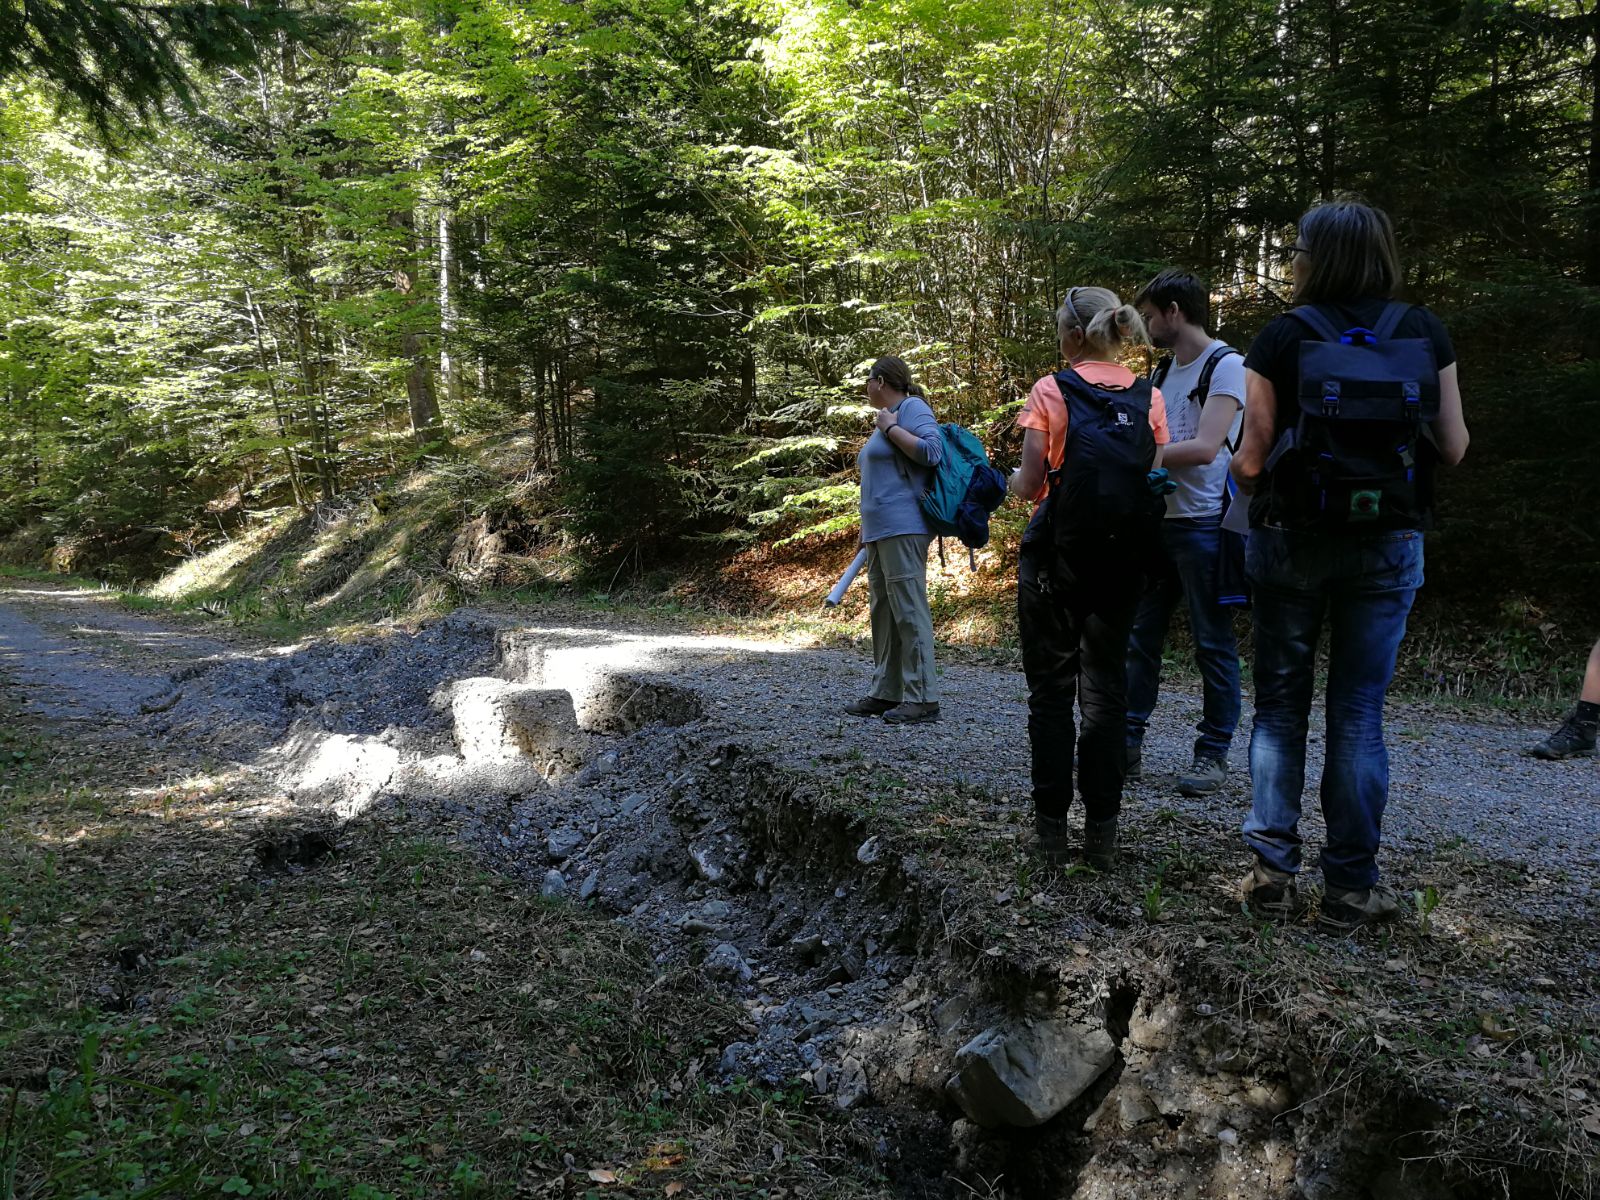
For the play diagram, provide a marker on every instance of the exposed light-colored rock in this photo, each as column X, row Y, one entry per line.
column 1021, row 1074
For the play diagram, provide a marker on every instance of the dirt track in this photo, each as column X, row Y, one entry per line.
column 867, row 893
column 75, row 654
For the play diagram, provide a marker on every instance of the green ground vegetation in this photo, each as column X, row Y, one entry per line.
column 183, row 1015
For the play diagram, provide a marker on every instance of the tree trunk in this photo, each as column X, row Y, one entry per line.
column 424, row 404
column 1591, row 274
column 449, row 307
column 285, row 429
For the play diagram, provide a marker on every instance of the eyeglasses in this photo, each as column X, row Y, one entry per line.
column 1287, row 253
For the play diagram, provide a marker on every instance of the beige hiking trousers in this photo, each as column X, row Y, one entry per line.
column 902, row 626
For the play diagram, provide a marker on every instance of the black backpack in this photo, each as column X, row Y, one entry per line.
column 1360, row 453
column 1100, row 505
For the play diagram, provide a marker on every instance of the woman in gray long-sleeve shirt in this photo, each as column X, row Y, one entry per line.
column 896, row 466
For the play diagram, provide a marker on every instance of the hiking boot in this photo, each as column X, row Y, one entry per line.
column 1051, row 835
column 869, row 706
column 1575, row 739
column 912, row 714
column 1204, row 777
column 1100, row 843
column 1344, row 911
column 1133, row 764
column 1268, row 894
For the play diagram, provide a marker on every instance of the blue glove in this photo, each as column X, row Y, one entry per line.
column 1160, row 483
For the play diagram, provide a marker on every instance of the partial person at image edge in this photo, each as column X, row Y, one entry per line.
column 1577, row 735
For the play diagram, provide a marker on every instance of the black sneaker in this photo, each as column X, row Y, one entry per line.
column 1269, row 894
column 1100, row 843
column 1204, row 777
column 1051, row 835
column 1575, row 739
column 1344, row 911
column 1133, row 764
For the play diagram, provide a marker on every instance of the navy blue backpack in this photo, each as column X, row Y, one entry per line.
column 1359, row 453
column 1100, row 507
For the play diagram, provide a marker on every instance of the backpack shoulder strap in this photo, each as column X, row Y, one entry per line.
column 1313, row 318
column 1163, row 365
column 1203, row 387
column 1393, row 313
column 1075, row 387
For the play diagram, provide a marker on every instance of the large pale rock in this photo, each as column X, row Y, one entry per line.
column 339, row 771
column 1155, row 1024
column 497, row 721
column 1022, row 1075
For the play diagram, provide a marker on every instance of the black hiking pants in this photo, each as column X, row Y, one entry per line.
column 1074, row 628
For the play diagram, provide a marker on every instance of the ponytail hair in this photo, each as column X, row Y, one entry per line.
column 1108, row 324
column 894, row 373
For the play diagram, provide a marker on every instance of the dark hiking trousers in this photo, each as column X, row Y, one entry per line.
column 1074, row 632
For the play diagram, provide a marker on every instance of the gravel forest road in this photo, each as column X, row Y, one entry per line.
column 1458, row 783
column 704, row 754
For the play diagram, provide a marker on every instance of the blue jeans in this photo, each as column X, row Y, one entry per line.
column 1192, row 548
column 1362, row 586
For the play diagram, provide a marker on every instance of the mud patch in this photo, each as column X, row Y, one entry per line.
column 293, row 853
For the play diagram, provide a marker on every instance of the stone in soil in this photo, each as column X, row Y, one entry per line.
column 727, row 965
column 563, row 842
column 1023, row 1074
column 852, row 1087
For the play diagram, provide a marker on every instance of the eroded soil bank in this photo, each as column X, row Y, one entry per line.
column 866, row 896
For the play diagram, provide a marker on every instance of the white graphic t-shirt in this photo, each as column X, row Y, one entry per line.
column 1200, row 488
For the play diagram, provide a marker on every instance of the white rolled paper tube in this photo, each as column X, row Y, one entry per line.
column 845, row 580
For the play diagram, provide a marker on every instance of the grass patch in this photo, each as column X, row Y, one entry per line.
column 390, row 1022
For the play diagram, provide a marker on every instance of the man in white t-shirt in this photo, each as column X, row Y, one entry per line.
column 1203, row 382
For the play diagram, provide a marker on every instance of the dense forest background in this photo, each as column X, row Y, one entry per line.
column 658, row 239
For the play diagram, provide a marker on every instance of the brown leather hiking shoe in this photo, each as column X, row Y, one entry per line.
column 1268, row 894
column 869, row 706
column 1344, row 911
column 912, row 714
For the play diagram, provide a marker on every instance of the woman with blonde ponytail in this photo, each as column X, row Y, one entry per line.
column 1075, row 610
